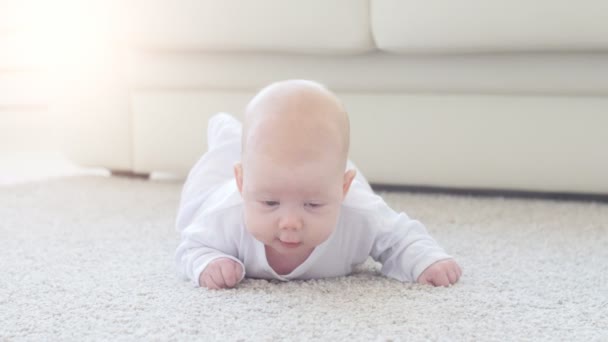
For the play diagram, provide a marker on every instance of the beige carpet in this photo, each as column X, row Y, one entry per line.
column 91, row 258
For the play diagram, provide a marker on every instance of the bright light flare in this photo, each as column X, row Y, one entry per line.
column 65, row 35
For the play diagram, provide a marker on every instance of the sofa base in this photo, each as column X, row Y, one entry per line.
column 528, row 143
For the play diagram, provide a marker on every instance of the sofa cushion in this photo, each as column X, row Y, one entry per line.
column 558, row 74
column 313, row 26
column 436, row 26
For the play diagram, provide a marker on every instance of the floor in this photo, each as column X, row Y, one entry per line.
column 91, row 258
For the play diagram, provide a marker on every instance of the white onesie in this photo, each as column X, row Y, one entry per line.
column 210, row 219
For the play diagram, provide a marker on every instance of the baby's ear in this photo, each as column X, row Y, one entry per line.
column 349, row 176
column 238, row 176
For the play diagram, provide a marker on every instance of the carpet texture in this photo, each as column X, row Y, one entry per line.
column 91, row 258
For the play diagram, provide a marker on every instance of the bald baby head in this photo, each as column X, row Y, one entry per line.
column 296, row 120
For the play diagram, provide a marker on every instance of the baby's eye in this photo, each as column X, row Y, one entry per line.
column 314, row 205
column 270, row 203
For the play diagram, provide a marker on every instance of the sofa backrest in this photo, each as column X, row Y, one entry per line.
column 360, row 26
column 475, row 26
column 291, row 26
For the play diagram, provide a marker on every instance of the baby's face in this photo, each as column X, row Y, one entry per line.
column 291, row 208
column 295, row 145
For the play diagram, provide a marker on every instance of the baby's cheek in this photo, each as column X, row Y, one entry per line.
column 320, row 236
column 330, row 218
column 258, row 233
column 325, row 227
column 258, row 227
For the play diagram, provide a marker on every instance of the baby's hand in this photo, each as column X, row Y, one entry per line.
column 220, row 274
column 442, row 273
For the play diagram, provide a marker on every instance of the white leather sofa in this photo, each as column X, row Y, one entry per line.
column 484, row 94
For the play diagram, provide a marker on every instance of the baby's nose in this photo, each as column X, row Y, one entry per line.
column 290, row 221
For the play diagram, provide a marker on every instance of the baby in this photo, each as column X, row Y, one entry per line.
column 278, row 199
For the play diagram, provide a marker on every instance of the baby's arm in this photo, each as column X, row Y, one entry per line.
column 408, row 253
column 207, row 257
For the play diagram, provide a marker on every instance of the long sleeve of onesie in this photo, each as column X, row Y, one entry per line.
column 199, row 247
column 403, row 245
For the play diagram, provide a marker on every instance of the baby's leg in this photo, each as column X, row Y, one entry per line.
column 214, row 168
column 224, row 129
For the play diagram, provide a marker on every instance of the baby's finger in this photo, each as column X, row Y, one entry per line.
column 456, row 269
column 424, row 281
column 453, row 276
column 441, row 279
column 208, row 281
column 227, row 271
column 238, row 271
column 216, row 276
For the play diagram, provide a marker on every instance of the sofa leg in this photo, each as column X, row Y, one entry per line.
column 129, row 174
